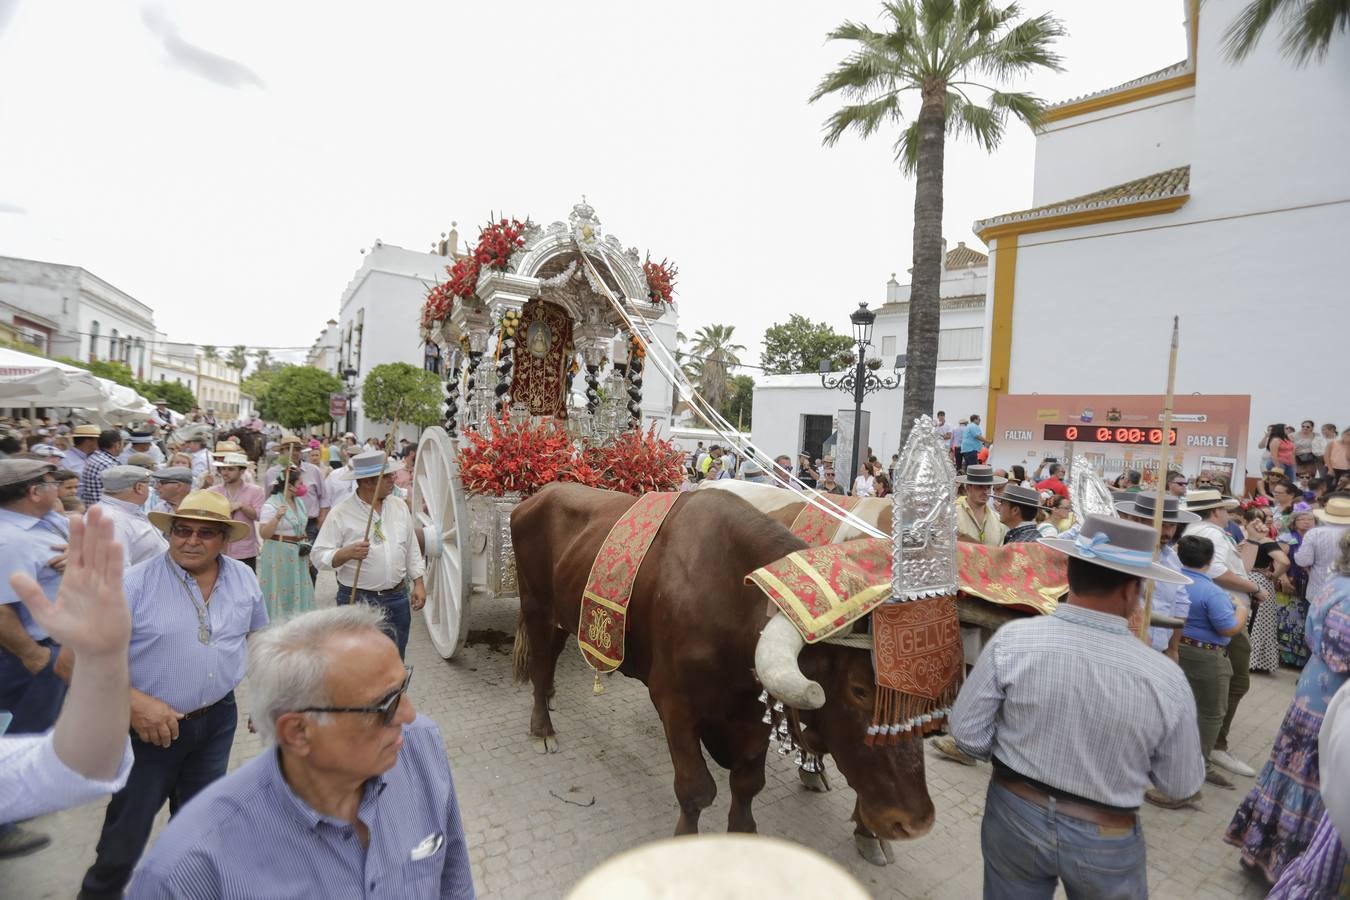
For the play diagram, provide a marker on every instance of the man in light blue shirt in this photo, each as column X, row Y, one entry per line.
column 354, row 798
column 34, row 671
column 972, row 440
column 83, row 443
column 1169, row 600
column 192, row 609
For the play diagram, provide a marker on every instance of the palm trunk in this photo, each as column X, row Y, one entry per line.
column 925, row 310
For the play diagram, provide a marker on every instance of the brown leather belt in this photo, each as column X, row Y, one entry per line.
column 288, row 538
column 1074, row 809
column 196, row 713
column 1203, row 645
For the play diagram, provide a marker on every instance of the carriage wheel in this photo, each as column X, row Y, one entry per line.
column 438, row 504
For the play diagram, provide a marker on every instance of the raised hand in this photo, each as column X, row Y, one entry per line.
column 90, row 614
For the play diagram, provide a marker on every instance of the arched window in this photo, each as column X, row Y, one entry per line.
column 112, row 346
column 93, row 340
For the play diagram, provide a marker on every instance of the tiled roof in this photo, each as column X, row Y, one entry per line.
column 1170, row 183
column 963, row 257
column 1162, row 74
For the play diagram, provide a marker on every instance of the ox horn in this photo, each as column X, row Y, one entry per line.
column 776, row 665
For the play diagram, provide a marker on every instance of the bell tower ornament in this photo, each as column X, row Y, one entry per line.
column 585, row 226
column 923, row 517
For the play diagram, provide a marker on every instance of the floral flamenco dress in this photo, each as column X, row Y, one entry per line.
column 1276, row 821
column 282, row 572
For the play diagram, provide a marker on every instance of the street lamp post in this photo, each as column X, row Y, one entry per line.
column 349, row 375
column 861, row 381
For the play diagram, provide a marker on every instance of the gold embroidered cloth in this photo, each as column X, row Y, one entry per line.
column 817, row 527
column 604, row 603
column 823, row 589
column 539, row 375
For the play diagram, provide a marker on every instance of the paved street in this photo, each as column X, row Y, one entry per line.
column 535, row 823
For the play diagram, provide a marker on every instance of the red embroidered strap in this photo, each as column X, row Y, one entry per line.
column 604, row 603
column 816, row 526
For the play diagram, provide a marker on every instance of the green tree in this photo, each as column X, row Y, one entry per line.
column 404, row 392
column 713, row 357
column 798, row 345
column 238, row 357
column 946, row 51
column 210, row 351
column 740, row 401
column 297, row 396
column 1309, row 26
column 263, row 359
column 179, row 395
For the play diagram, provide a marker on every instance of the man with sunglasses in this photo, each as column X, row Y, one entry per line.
column 192, row 609
column 354, row 799
column 34, row 671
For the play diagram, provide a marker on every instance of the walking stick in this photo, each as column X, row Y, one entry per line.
column 370, row 517
column 1161, row 483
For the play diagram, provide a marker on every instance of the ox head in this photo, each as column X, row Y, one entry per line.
column 834, row 690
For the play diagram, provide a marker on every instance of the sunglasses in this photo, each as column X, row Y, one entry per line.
column 386, row 709
column 183, row 532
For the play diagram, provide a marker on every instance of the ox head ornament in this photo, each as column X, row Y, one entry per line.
column 923, row 517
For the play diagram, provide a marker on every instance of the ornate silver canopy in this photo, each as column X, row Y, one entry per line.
column 923, row 510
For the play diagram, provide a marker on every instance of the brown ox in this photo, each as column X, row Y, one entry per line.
column 694, row 638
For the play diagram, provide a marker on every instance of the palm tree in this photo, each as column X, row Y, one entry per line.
column 945, row 51
column 1309, row 26
column 262, row 359
column 210, row 351
column 714, row 358
column 238, row 357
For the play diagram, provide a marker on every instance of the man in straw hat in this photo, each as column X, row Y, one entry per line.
column 1318, row 550
column 83, row 443
column 974, row 520
column 34, row 670
column 105, row 457
column 1017, row 507
column 192, row 609
column 125, row 491
column 314, row 494
column 386, row 556
column 1077, row 715
column 1169, row 600
column 142, row 441
column 1228, row 572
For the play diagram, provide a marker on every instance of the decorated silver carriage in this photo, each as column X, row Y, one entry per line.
column 540, row 322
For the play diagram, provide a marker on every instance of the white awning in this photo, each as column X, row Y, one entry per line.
column 27, row 380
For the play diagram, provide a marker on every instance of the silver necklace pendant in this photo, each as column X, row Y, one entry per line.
column 203, row 634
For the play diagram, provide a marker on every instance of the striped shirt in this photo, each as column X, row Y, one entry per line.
column 1075, row 701
column 91, row 478
column 28, row 545
column 34, row 781
column 168, row 661
column 248, row 835
column 1316, row 552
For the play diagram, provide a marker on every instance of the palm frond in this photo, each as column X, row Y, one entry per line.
column 982, row 124
column 1025, row 46
column 1242, row 36
column 906, row 148
column 864, row 118
column 1027, row 107
column 1308, row 36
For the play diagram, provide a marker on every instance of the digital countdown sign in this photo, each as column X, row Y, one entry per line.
column 1108, row 434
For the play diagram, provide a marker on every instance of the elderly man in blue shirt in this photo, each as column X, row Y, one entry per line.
column 34, row 671
column 355, row 798
column 192, row 609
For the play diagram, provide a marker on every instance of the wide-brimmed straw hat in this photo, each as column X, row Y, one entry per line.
column 1336, row 512
column 981, row 476
column 86, row 431
column 1023, row 496
column 1117, row 544
column 1208, row 498
column 1142, row 506
column 232, row 460
column 225, row 447
column 203, row 506
column 288, row 439
column 369, row 465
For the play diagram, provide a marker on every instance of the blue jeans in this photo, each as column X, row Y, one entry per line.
column 176, row 773
column 397, row 610
column 1028, row 849
column 970, row 458
column 35, row 700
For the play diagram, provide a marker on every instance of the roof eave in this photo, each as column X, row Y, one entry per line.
column 1132, row 208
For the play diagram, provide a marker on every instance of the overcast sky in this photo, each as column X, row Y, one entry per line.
column 225, row 163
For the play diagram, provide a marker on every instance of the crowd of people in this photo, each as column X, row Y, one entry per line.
column 212, row 546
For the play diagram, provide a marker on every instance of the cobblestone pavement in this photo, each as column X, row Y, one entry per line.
column 536, row 823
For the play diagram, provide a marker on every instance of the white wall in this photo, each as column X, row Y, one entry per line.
column 1120, row 143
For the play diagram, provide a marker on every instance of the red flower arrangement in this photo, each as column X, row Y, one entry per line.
column 660, row 280
column 636, row 463
column 518, row 456
column 463, row 276
column 440, row 300
column 498, row 241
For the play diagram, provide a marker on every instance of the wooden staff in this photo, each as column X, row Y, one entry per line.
column 370, row 518
column 1161, row 482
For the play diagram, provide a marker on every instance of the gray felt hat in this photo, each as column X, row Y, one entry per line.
column 120, row 478
column 180, row 474
column 17, row 471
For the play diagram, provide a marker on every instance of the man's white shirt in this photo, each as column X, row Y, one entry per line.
column 139, row 538
column 394, row 553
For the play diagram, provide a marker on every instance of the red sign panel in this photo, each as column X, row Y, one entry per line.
column 337, row 405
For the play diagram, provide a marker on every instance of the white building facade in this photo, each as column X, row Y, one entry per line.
column 1170, row 195
column 67, row 311
column 794, row 412
column 325, row 353
column 214, row 382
